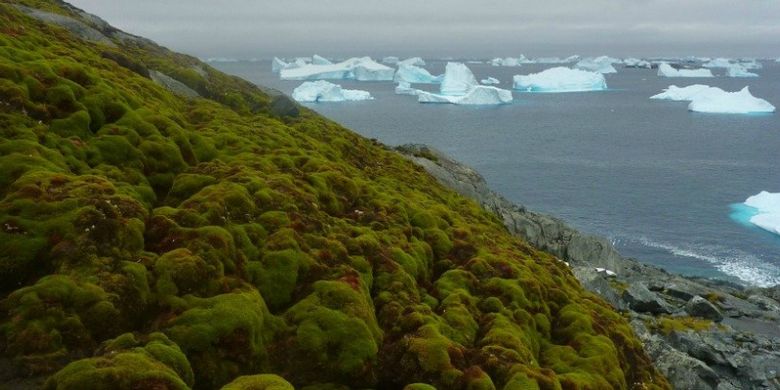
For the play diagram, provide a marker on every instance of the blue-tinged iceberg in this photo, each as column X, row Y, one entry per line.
column 414, row 61
column 490, row 80
column 680, row 94
column 718, row 101
column 751, row 64
column 766, row 215
column 319, row 60
column 362, row 69
column 405, row 88
column 323, row 91
column 666, row 70
column 415, row 74
column 561, row 79
column 458, row 79
column 601, row 64
column 738, row 70
column 477, row 95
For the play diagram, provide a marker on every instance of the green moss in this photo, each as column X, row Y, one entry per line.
column 128, row 363
column 125, row 208
column 259, row 382
column 668, row 325
column 223, row 336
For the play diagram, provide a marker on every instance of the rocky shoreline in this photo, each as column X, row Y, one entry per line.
column 701, row 333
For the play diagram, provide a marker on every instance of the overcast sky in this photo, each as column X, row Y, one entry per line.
column 463, row 28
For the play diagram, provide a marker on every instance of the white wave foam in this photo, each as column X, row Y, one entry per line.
column 743, row 266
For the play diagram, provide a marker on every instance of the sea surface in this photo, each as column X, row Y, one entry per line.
column 657, row 180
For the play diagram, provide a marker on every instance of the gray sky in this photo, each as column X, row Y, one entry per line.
column 462, row 28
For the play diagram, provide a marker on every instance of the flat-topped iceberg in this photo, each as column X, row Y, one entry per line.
column 458, row 79
column 477, row 95
column 601, row 64
column 490, row 80
column 415, row 74
column 767, row 211
column 738, row 70
column 718, row 101
column 415, row 61
column 561, row 79
column 405, row 88
column 666, row 70
column 319, row 60
column 362, row 69
column 323, row 91
column 680, row 94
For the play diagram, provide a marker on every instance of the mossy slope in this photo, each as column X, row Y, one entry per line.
column 149, row 240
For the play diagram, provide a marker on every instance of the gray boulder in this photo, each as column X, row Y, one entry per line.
column 700, row 307
column 640, row 298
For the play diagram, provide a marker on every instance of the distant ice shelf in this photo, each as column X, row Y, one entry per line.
column 561, row 79
column 324, row 91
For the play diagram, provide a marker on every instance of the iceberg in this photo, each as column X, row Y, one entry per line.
column 458, row 79
column 738, row 70
column 680, row 94
column 477, row 95
column 415, row 61
column 718, row 63
column 415, row 74
column 405, row 88
column 323, row 91
column 767, row 211
column 362, row 69
column 318, row 60
column 277, row 65
column 561, row 79
column 390, row 60
column 716, row 100
column 666, row 70
column 509, row 61
column 490, row 80
column 637, row 63
column 750, row 64
column 601, row 64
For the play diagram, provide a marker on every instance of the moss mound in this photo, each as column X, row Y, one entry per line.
column 153, row 241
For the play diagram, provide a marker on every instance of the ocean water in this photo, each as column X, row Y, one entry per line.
column 662, row 183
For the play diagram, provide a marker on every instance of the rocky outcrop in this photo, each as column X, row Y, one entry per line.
column 173, row 85
column 702, row 334
column 77, row 27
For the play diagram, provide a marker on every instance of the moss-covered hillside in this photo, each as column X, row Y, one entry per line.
column 154, row 241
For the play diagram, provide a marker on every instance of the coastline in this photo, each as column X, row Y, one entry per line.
column 701, row 333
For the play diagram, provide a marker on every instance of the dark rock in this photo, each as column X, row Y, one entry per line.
column 700, row 307
column 283, row 106
column 640, row 298
column 76, row 27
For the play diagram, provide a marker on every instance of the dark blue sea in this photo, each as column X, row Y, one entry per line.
column 657, row 180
